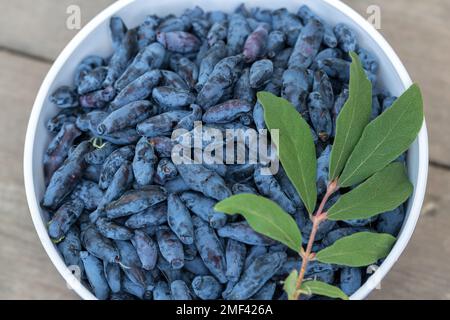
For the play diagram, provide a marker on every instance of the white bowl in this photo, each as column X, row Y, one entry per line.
column 95, row 39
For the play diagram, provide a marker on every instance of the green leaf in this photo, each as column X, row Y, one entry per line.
column 384, row 191
column 290, row 285
column 385, row 138
column 322, row 289
column 265, row 217
column 296, row 148
column 358, row 250
column 353, row 118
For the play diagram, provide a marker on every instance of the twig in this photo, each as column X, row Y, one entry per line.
column 317, row 219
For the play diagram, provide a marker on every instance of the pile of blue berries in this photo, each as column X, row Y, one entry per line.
column 140, row 227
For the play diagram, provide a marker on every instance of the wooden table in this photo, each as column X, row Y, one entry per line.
column 418, row 31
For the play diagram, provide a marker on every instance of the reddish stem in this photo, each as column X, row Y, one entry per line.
column 317, row 219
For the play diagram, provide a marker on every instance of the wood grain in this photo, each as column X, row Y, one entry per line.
column 423, row 271
column 39, row 27
column 25, row 270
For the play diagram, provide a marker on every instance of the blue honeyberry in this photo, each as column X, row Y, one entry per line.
column 350, row 280
column 206, row 287
column 95, row 274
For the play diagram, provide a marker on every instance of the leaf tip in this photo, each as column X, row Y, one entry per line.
column 324, row 289
column 261, row 95
column 218, row 207
column 222, row 205
column 353, row 55
column 289, row 285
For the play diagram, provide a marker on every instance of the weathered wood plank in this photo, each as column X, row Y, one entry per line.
column 39, row 27
column 419, row 33
column 423, row 271
column 25, row 272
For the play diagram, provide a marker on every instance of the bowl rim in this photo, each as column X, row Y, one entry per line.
column 34, row 206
